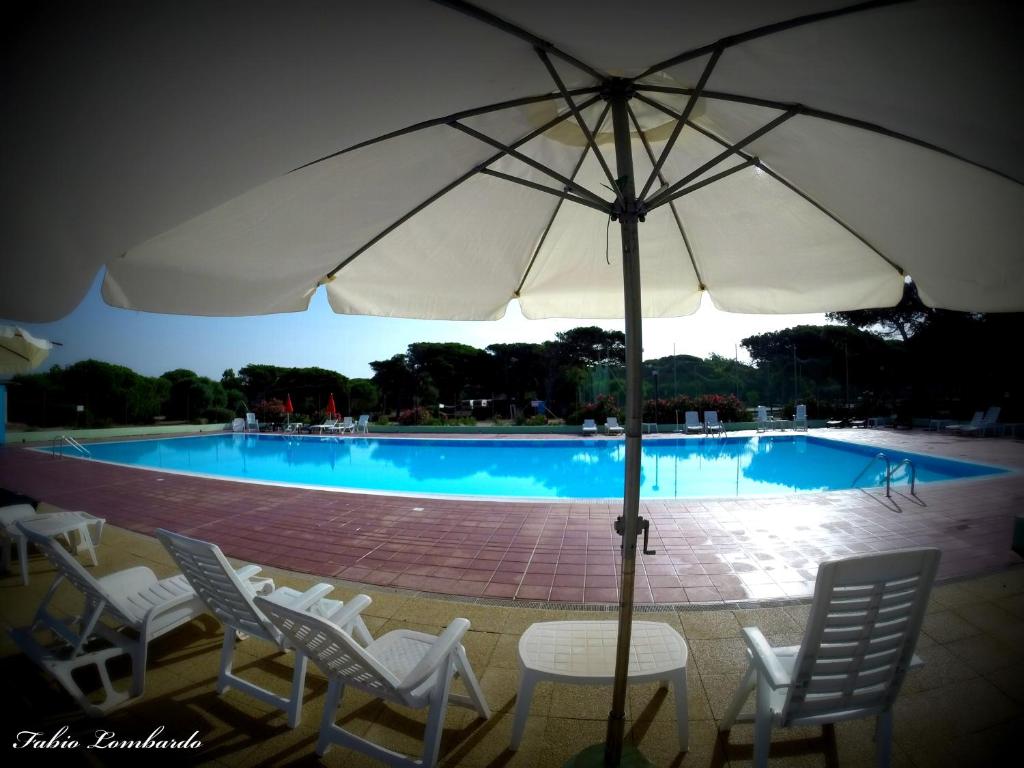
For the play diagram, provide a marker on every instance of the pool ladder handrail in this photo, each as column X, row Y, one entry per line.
column 889, row 470
column 62, row 440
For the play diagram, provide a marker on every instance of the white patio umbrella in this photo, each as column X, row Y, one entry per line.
column 437, row 159
column 20, row 351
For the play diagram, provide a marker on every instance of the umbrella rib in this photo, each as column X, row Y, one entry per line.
column 605, row 209
column 448, row 188
column 681, row 121
column 833, row 117
column 729, row 151
column 435, row 121
column 671, row 204
column 704, row 182
column 558, row 206
column 583, row 191
column 15, row 352
column 580, row 121
column 506, row 26
column 768, row 29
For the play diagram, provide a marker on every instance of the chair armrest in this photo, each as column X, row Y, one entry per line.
column 307, row 598
column 445, row 643
column 350, row 610
column 764, row 658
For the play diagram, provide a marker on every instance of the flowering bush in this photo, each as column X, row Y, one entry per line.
column 418, row 417
column 599, row 410
column 729, row 407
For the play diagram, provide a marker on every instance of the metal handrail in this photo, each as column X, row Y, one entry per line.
column 67, row 439
column 888, row 470
column 913, row 473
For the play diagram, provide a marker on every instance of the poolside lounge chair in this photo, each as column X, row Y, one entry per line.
column 251, row 424
column 612, row 426
column 974, row 422
column 858, row 645
column 988, row 421
column 328, row 425
column 589, row 427
column 712, row 425
column 346, row 425
column 800, row 418
column 132, row 599
column 230, row 599
column 363, row 425
column 409, row 668
column 693, row 423
column 762, row 418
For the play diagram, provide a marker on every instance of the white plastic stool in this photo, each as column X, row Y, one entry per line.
column 583, row 652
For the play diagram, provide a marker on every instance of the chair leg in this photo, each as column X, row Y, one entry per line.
column 476, row 695
column 762, row 725
column 227, row 652
column 435, row 716
column 23, row 558
column 738, row 699
column 298, row 689
column 527, row 682
column 883, row 739
column 332, row 701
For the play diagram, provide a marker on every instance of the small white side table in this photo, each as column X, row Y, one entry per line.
column 60, row 524
column 583, row 652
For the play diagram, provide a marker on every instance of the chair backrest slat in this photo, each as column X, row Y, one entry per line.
column 864, row 622
column 333, row 650
column 215, row 581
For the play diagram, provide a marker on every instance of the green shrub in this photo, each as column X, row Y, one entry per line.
column 218, row 415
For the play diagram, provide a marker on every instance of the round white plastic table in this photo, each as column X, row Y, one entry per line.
column 583, row 652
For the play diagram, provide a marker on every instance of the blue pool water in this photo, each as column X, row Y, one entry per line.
column 562, row 469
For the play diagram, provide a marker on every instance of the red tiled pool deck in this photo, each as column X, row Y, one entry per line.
column 708, row 550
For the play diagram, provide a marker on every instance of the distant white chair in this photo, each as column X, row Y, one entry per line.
column 251, row 424
column 762, row 418
column 800, row 418
column 589, row 427
column 409, row 668
column 711, row 423
column 987, row 422
column 346, row 425
column 612, row 426
column 972, row 424
column 363, row 425
column 238, row 425
column 230, row 599
column 693, row 423
column 132, row 599
column 858, row 645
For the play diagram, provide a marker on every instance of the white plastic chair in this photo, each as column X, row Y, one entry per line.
column 230, row 599
column 403, row 666
column 800, row 418
column 987, row 422
column 63, row 521
column 762, row 418
column 132, row 599
column 363, row 425
column 711, row 423
column 856, row 650
column 589, row 427
column 346, row 425
column 251, row 424
column 612, row 426
column 693, row 422
column 328, row 425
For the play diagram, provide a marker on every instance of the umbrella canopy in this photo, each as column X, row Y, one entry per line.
column 437, row 160
column 331, row 408
column 20, row 351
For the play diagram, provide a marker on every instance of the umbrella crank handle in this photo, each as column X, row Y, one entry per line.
column 643, row 524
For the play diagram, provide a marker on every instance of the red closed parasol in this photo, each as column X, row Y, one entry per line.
column 331, row 408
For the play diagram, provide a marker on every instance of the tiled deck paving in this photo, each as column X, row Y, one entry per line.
column 964, row 708
column 709, row 550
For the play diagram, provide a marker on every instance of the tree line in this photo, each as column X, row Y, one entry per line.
column 909, row 360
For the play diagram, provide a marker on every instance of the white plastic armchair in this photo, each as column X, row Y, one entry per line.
column 230, row 599
column 589, row 427
column 856, row 650
column 800, row 418
column 693, row 422
column 762, row 418
column 363, row 425
column 711, row 423
column 132, row 599
column 403, row 666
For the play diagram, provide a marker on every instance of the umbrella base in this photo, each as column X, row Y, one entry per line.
column 593, row 757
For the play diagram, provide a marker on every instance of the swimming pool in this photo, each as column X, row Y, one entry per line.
column 542, row 469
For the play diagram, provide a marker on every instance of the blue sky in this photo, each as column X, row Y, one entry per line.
column 152, row 344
